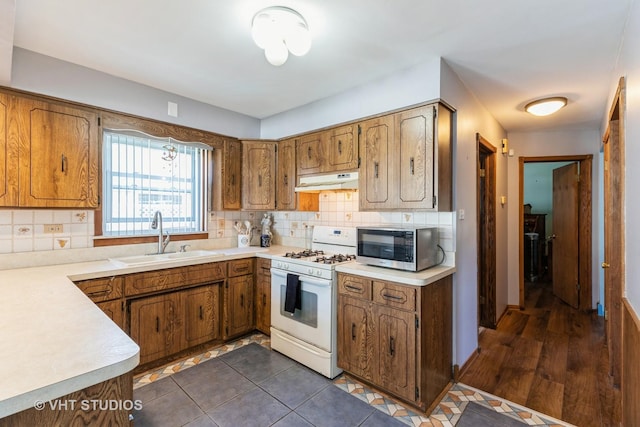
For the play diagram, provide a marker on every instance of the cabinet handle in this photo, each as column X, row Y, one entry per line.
column 353, row 332
column 286, row 179
column 264, row 299
column 241, row 300
column 201, row 314
column 353, row 288
column 392, row 346
column 64, row 164
column 411, row 165
column 339, row 146
column 393, row 297
column 309, row 152
column 233, row 179
column 375, row 169
column 157, row 324
column 259, row 180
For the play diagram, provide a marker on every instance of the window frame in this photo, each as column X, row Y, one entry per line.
column 112, row 120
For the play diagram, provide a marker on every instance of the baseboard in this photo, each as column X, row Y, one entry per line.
column 457, row 373
column 630, row 387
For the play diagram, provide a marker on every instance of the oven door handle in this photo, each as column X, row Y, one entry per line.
column 304, row 279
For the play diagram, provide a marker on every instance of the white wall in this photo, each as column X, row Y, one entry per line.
column 551, row 143
column 472, row 118
column 629, row 67
column 412, row 86
column 49, row 76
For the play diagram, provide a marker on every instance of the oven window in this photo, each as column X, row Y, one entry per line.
column 309, row 312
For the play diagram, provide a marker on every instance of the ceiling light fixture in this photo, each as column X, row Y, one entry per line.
column 280, row 30
column 545, row 106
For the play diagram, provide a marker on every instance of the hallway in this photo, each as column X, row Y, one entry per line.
column 548, row 357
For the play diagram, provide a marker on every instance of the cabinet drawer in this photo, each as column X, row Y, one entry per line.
column 240, row 267
column 354, row 286
column 206, row 273
column 103, row 289
column 170, row 278
column 393, row 295
column 263, row 263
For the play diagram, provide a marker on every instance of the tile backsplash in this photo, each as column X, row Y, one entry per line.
column 24, row 230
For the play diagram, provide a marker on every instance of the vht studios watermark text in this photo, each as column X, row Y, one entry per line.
column 88, row 405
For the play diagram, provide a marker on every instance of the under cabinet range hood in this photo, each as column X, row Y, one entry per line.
column 334, row 181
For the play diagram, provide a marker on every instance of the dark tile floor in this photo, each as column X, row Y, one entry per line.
column 252, row 386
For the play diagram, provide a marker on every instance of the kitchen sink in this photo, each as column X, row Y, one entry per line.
column 158, row 258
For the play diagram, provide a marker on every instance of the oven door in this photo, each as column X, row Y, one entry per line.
column 311, row 323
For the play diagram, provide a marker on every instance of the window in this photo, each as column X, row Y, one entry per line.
column 144, row 174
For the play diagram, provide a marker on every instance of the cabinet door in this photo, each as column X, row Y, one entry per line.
column 232, row 174
column 238, row 306
column 341, row 149
column 202, row 314
column 114, row 309
column 355, row 353
column 258, row 186
column 263, row 299
column 377, row 175
column 414, row 132
column 58, row 155
column 309, row 153
column 395, row 348
column 286, row 175
column 8, row 157
column 156, row 326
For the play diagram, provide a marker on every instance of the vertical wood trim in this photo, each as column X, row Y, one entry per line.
column 584, row 234
column 630, row 386
column 521, row 161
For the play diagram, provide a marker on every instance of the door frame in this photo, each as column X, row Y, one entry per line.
column 486, row 247
column 585, row 213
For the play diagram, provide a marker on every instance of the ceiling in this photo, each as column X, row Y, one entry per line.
column 507, row 52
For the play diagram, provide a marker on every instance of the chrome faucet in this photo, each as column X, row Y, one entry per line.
column 156, row 223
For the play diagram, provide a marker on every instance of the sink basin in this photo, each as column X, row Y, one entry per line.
column 158, row 258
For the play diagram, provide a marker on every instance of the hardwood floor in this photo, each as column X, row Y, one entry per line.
column 551, row 358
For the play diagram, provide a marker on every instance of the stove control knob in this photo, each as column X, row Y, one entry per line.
column 318, row 273
column 310, row 271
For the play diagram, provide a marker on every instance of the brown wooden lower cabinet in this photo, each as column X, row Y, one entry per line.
column 396, row 337
column 263, row 296
column 83, row 407
column 238, row 306
column 202, row 314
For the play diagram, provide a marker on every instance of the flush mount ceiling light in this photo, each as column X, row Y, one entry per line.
column 280, row 30
column 545, row 106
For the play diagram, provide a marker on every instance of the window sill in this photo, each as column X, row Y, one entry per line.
column 99, row 241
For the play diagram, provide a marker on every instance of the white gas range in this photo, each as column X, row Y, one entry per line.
column 304, row 299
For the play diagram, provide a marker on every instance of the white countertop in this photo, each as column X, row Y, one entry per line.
column 421, row 278
column 54, row 340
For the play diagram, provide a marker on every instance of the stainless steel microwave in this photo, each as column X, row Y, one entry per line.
column 402, row 248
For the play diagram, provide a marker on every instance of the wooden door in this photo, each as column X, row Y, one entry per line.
column 309, row 153
column 355, row 352
column 286, row 175
column 202, row 314
column 414, row 132
column 263, row 297
column 8, row 157
column 486, row 189
column 613, row 246
column 238, row 305
column 565, row 262
column 341, row 149
column 258, row 186
column 155, row 326
column 395, row 349
column 377, row 174
column 58, row 155
column 232, row 174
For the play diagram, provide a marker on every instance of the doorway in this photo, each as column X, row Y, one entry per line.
column 486, row 213
column 579, row 286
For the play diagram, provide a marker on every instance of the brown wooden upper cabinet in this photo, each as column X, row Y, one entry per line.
column 49, row 153
column 258, row 184
column 331, row 150
column 232, row 174
column 286, row 175
column 406, row 160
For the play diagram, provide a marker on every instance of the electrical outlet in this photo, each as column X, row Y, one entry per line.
column 53, row 228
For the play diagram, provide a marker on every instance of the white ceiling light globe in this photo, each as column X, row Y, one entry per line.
column 298, row 39
column 276, row 53
column 263, row 30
